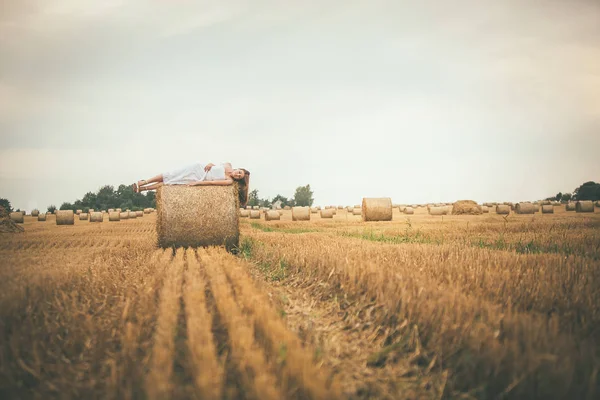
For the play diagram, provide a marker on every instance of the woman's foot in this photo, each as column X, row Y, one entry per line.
column 141, row 183
column 135, row 188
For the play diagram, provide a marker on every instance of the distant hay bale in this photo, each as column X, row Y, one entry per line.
column 91, row 210
column 547, row 209
column 287, row 208
column 272, row 215
column 333, row 210
column 65, row 217
column 525, row 208
column 545, row 202
column 119, row 210
column 408, row 210
column 17, row 217
column 485, row 209
column 570, row 206
column 110, row 210
column 255, row 207
column 41, row 217
column 340, row 207
column 139, row 213
column 254, row 214
column 124, row 215
column 314, row 210
column 83, row 216
column 300, row 214
column 132, row 214
column 35, row 213
column 244, row 213
column 198, row 216
column 114, row 216
column 327, row 207
column 377, row 209
column 280, row 211
column 147, row 210
column 96, row 217
column 438, row 211
column 584, row 206
column 597, row 203
column 502, row 209
column 466, row 207
column 327, row 213
column 356, row 211
column 78, row 212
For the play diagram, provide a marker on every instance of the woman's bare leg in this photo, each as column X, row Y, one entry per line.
column 157, row 178
column 150, row 187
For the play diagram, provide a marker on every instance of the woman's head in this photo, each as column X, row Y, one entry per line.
column 242, row 177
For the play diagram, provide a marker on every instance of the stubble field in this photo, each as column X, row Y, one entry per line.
column 420, row 307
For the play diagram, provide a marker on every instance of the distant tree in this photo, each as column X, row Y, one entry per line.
column 66, row 206
column 253, row 199
column 566, row 197
column 587, row 191
column 105, row 198
column 303, row 196
column 284, row 200
column 51, row 208
column 150, row 199
column 4, row 203
column 558, row 196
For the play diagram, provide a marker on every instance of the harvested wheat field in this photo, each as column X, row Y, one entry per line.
column 453, row 306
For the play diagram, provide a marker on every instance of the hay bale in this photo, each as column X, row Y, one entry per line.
column 114, row 216
column 147, row 210
column 584, row 206
column 503, row 209
column 17, row 217
column 545, row 202
column 287, row 208
column 525, row 208
column 132, row 214
column 438, row 211
column 570, row 206
column 83, row 216
column 300, row 213
column 78, row 212
column 96, row 217
column 119, row 210
column 357, row 211
column 35, row 213
column 485, row 209
column 377, row 209
column 314, row 210
column 466, row 207
column 280, row 211
column 256, row 208
column 41, row 217
column 272, row 215
column 65, row 217
column 333, row 210
column 111, row 210
column 409, row 210
column 244, row 213
column 597, row 204
column 123, row 215
column 254, row 214
column 547, row 209
column 139, row 213
column 327, row 213
column 198, row 216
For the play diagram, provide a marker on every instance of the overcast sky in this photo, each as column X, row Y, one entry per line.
column 422, row 101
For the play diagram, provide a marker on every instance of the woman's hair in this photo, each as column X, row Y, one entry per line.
column 243, row 187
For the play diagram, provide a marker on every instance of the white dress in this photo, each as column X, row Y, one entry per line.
column 193, row 173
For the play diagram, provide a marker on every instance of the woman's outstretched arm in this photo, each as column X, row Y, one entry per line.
column 224, row 182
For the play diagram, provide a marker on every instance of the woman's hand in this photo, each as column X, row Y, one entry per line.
column 208, row 167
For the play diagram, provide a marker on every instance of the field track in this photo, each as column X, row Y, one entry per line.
column 422, row 307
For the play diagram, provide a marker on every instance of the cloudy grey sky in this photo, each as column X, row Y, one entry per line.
column 420, row 101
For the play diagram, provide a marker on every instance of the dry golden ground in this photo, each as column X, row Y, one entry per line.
column 420, row 307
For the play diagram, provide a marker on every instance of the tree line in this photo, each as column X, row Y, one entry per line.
column 587, row 191
column 303, row 197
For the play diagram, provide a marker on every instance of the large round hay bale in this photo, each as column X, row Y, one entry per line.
column 132, row 214
column 408, row 210
column 300, row 213
column 272, row 215
column 356, row 211
column 377, row 209
column 96, row 217
column 41, row 217
column 114, row 216
column 17, row 217
column 65, row 217
column 525, row 208
column 35, row 213
column 438, row 211
column 254, row 214
column 485, row 209
column 83, row 216
column 244, row 213
column 570, row 206
column 584, row 206
column 314, row 210
column 123, row 215
column 139, row 213
column 547, row 209
column 327, row 213
column 468, row 207
column 503, row 209
column 198, row 216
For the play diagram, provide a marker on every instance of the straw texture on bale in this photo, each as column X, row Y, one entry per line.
column 35, row 213
column 525, row 208
column 83, row 216
column 300, row 214
column 502, row 209
column 326, row 213
column 244, row 213
column 65, row 217
column 198, row 216
column 254, row 214
column 114, row 216
column 584, row 206
column 17, row 217
column 547, row 209
column 438, row 211
column 41, row 217
column 132, row 214
column 272, row 215
column 139, row 213
column 377, row 209
column 408, row 210
column 468, row 207
column 570, row 207
column 96, row 217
